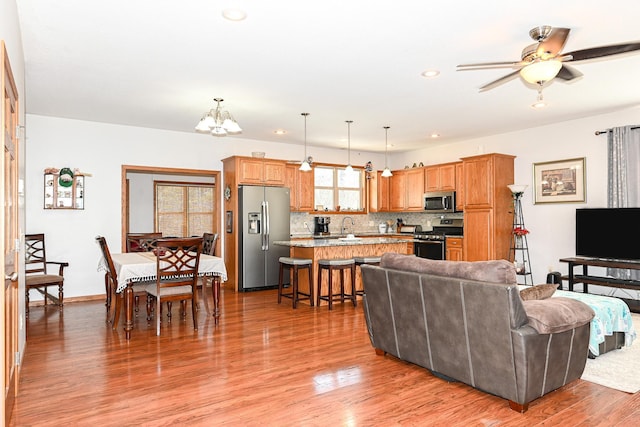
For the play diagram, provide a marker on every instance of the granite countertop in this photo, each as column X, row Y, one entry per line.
column 318, row 243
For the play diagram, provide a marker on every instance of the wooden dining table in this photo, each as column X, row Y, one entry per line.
column 136, row 267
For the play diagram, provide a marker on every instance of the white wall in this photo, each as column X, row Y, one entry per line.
column 101, row 149
column 552, row 226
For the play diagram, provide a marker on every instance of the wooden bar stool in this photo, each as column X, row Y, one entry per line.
column 295, row 264
column 370, row 260
column 332, row 265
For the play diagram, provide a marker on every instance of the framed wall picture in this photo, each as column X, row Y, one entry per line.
column 560, row 181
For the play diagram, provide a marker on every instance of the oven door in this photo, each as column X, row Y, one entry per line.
column 432, row 249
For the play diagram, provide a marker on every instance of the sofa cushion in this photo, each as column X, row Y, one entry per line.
column 543, row 291
column 553, row 315
column 497, row 271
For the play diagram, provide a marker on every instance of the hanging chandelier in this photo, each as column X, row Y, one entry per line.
column 218, row 122
column 386, row 173
column 306, row 162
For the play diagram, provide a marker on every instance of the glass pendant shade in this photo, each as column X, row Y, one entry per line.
column 541, row 71
column 386, row 173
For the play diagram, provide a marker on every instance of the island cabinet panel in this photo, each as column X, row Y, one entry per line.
column 488, row 207
column 342, row 251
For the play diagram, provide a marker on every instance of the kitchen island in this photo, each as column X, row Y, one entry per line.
column 316, row 249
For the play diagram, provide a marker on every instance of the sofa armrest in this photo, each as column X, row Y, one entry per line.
column 553, row 315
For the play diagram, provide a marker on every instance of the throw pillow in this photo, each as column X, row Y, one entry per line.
column 538, row 292
column 553, row 315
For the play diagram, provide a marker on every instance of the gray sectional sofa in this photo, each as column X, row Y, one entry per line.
column 465, row 321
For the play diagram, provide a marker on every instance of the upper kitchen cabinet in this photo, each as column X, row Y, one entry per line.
column 397, row 191
column 258, row 171
column 488, row 213
column 415, row 189
column 378, row 192
column 440, row 177
column 301, row 185
column 406, row 188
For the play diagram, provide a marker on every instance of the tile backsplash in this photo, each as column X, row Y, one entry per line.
column 367, row 223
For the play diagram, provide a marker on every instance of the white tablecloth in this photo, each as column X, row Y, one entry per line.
column 141, row 266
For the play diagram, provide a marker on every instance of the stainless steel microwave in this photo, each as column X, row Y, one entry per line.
column 440, row 202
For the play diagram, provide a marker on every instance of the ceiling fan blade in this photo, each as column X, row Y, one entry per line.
column 598, row 52
column 554, row 43
column 489, row 65
column 500, row 81
column 568, row 73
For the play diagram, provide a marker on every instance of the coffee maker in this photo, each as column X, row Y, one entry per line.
column 322, row 225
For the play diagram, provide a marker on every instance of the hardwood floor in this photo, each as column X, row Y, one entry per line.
column 264, row 364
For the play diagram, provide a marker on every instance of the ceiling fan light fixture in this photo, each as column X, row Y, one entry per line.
column 541, row 71
column 540, row 102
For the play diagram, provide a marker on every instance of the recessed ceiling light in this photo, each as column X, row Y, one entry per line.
column 280, row 132
column 234, row 14
column 430, row 73
column 435, row 135
column 538, row 105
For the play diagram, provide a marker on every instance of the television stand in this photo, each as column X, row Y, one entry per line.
column 585, row 278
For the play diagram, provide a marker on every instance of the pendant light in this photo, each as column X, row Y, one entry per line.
column 386, row 173
column 305, row 166
column 349, row 168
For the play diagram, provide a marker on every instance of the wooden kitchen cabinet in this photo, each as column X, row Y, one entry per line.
column 256, row 171
column 440, row 177
column 459, row 187
column 378, row 192
column 453, row 247
column 488, row 208
column 397, row 191
column 414, row 189
column 301, row 185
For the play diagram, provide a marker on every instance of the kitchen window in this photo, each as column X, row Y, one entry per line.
column 339, row 190
column 184, row 209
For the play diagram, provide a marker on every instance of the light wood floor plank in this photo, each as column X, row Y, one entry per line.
column 264, row 364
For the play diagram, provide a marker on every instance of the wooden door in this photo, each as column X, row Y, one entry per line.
column 10, row 115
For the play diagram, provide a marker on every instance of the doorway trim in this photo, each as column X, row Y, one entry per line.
column 124, row 201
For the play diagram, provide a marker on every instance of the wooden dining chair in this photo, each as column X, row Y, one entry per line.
column 37, row 276
column 209, row 241
column 114, row 298
column 142, row 242
column 177, row 262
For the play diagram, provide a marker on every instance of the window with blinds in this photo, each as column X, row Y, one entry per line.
column 184, row 209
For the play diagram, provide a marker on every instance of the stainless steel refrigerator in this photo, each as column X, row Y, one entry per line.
column 264, row 218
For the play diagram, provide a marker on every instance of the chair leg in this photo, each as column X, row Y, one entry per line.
column 107, row 291
column 310, row 272
column 294, row 291
column 194, row 313
column 159, row 314
column 149, row 307
column 319, row 287
column 116, row 310
column 353, row 285
column 280, row 283
column 60, row 294
column 330, row 288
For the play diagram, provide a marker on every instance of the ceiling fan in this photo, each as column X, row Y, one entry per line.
column 542, row 61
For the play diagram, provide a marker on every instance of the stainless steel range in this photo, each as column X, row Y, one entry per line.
column 432, row 244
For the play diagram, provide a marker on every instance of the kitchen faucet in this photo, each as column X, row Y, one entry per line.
column 342, row 230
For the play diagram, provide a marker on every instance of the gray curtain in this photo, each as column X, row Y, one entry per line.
column 624, row 178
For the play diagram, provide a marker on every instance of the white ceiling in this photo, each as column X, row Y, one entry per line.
column 159, row 64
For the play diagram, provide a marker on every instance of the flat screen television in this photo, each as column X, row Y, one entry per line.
column 609, row 233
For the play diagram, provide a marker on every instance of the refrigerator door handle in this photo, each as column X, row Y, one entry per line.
column 266, row 226
column 263, row 229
